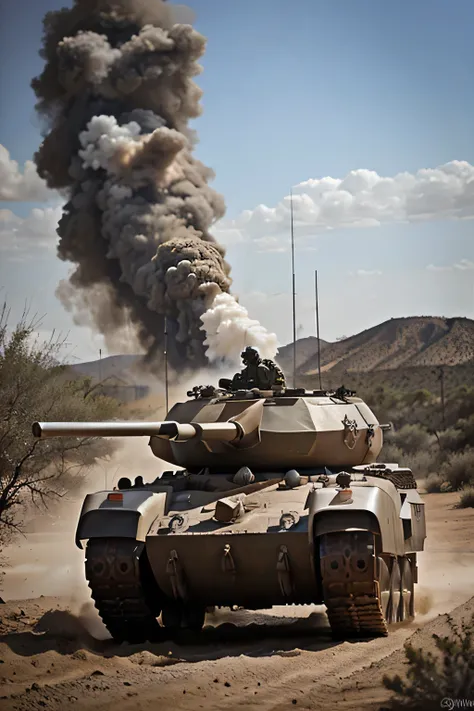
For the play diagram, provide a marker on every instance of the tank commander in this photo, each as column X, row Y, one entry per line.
column 278, row 378
column 254, row 375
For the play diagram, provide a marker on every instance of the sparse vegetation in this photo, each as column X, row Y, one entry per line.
column 434, row 484
column 33, row 386
column 443, row 456
column 413, row 439
column 458, row 469
column 448, row 673
column 415, row 373
column 466, row 500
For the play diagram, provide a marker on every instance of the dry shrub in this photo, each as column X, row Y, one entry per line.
column 466, row 500
column 391, row 453
column 422, row 463
column 451, row 439
column 459, row 469
column 433, row 484
column 412, row 439
column 447, row 674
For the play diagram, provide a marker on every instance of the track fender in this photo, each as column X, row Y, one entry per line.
column 130, row 518
column 371, row 508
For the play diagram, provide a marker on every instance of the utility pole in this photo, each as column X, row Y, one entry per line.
column 100, row 365
column 293, row 287
column 441, row 382
column 317, row 326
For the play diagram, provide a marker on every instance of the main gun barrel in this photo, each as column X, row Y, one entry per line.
column 177, row 432
column 242, row 430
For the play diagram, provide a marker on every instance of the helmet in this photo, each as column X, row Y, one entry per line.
column 244, row 476
column 250, row 354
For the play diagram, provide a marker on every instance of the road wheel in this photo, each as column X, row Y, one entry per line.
column 383, row 576
column 407, row 591
column 395, row 594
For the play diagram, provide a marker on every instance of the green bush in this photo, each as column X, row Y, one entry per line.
column 418, row 397
column 466, row 429
column 391, row 453
column 434, row 483
column 412, row 439
column 466, row 500
column 459, row 436
column 449, row 674
column 451, row 439
column 459, row 469
column 422, row 464
column 461, row 403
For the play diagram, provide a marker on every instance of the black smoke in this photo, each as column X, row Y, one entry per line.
column 116, row 96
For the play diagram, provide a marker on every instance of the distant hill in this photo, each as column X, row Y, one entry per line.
column 306, row 348
column 402, row 351
column 117, row 365
column 411, row 342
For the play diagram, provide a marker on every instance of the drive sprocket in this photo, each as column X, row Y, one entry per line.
column 123, row 589
column 354, row 585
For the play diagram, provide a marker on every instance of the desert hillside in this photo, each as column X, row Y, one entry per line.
column 306, row 348
column 109, row 366
column 410, row 347
column 411, row 342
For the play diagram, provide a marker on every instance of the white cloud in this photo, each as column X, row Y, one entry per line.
column 21, row 236
column 270, row 244
column 434, row 268
column 462, row 265
column 368, row 272
column 361, row 199
column 23, row 186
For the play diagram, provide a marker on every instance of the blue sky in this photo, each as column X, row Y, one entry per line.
column 295, row 92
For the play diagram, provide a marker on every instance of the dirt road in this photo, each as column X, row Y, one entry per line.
column 54, row 652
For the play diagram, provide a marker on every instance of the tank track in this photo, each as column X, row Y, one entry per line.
column 402, row 480
column 123, row 589
column 351, row 591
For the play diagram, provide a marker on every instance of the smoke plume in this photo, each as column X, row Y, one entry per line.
column 116, row 95
column 229, row 329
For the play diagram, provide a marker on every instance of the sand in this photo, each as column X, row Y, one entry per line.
column 56, row 654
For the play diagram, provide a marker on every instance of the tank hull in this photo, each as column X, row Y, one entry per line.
column 312, row 544
column 232, row 569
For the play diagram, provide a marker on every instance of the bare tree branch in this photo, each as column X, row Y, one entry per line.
column 34, row 385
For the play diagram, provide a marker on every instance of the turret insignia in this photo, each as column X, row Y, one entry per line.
column 350, row 432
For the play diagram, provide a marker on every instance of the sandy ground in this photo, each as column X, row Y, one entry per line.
column 54, row 651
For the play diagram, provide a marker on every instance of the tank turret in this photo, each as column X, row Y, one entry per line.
column 263, row 429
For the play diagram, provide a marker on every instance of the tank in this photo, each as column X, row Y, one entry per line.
column 274, row 498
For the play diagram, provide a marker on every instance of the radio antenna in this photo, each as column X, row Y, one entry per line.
column 317, row 326
column 165, row 353
column 293, row 286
